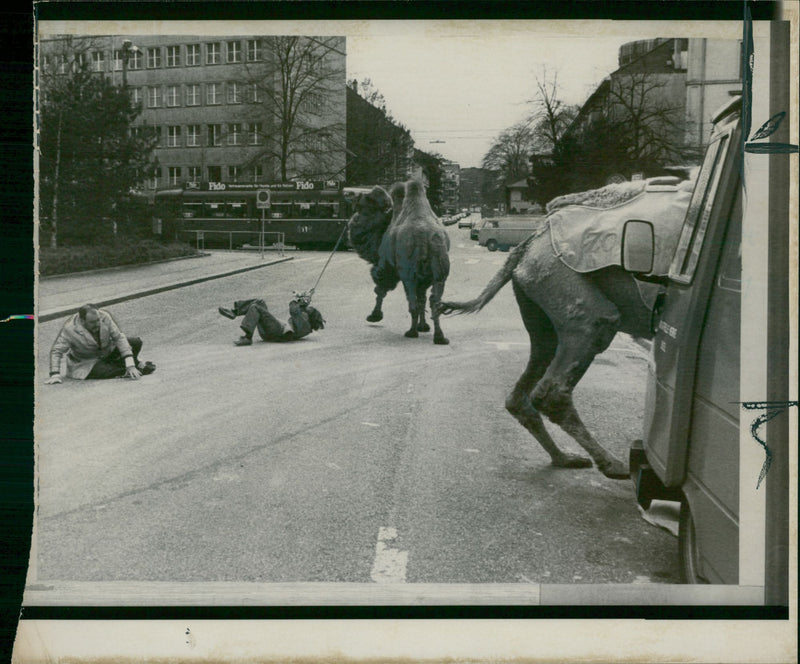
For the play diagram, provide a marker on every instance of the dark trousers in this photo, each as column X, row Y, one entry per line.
column 114, row 364
column 257, row 317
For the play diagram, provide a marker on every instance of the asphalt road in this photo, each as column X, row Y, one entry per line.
column 353, row 455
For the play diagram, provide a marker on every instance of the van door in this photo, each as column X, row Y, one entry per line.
column 711, row 488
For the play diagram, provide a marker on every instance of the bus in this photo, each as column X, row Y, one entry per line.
column 304, row 214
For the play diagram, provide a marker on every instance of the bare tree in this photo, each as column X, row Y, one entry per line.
column 508, row 158
column 293, row 91
column 646, row 118
column 551, row 116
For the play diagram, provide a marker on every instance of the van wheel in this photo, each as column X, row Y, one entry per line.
column 688, row 553
column 491, row 245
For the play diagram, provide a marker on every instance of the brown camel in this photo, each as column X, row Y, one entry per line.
column 572, row 316
column 404, row 240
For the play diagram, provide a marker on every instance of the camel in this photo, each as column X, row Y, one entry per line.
column 399, row 234
column 572, row 316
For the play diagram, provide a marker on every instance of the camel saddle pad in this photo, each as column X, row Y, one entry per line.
column 588, row 238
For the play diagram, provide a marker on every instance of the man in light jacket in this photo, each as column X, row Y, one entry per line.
column 94, row 347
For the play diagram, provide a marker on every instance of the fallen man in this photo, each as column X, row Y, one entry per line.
column 303, row 319
column 95, row 348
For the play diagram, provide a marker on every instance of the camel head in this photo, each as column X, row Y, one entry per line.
column 369, row 222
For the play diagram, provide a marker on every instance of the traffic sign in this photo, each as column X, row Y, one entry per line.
column 262, row 199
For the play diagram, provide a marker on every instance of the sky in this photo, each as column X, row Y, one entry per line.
column 457, row 89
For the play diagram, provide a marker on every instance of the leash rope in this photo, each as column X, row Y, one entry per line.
column 324, row 267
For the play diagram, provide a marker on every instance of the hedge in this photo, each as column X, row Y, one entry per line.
column 81, row 258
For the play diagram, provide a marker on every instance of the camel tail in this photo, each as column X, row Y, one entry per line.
column 494, row 286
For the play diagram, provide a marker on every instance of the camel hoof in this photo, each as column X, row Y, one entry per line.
column 572, row 461
column 424, row 327
column 615, row 470
column 412, row 334
column 442, row 341
column 374, row 318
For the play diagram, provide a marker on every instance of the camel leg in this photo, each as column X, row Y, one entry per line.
column 377, row 312
column 422, row 326
column 437, row 289
column 553, row 393
column 413, row 308
column 518, row 403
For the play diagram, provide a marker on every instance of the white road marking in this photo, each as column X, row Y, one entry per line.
column 370, row 424
column 330, row 464
column 472, row 450
column 390, row 564
column 505, row 345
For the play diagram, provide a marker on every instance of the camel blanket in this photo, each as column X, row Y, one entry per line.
column 588, row 238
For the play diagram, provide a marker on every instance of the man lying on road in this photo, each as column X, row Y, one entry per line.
column 95, row 347
column 303, row 319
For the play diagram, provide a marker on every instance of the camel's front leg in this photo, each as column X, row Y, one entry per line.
column 410, row 287
column 377, row 312
column 422, row 325
column 436, row 298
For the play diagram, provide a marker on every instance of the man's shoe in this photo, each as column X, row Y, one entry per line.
column 227, row 313
column 147, row 368
column 244, row 340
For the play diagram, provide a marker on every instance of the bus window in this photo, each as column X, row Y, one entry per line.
column 216, row 209
column 192, row 210
column 237, row 209
column 304, row 210
column 280, row 210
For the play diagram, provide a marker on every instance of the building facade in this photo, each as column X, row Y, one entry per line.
column 210, row 102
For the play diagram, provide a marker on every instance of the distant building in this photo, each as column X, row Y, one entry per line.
column 451, row 186
column 205, row 100
column 714, row 73
column 379, row 151
column 519, row 198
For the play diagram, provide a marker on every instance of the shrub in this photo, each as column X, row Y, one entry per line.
column 81, row 258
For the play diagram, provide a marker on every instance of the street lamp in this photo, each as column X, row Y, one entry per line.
column 127, row 47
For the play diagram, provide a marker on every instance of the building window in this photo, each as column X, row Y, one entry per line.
column 153, row 58
column 173, row 95
column 61, row 64
column 234, row 93
column 258, row 173
column 173, row 136
column 117, row 60
column 233, row 173
column 215, row 173
column 136, row 95
column 153, row 97
column 195, row 173
column 192, row 55
column 155, row 132
column 234, row 133
column 193, row 94
column 213, row 93
column 173, row 56
column 174, row 174
column 193, row 136
column 255, row 133
column 80, row 62
column 154, row 179
column 234, row 51
column 253, row 50
column 252, row 93
column 135, row 59
column 213, row 54
column 98, row 61
column 214, row 134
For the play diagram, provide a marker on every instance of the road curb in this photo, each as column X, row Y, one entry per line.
column 66, row 311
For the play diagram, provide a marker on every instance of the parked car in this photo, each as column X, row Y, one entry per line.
column 507, row 233
column 465, row 221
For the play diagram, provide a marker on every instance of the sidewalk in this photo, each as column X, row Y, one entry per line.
column 61, row 296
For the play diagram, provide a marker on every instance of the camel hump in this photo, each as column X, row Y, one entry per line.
column 415, row 189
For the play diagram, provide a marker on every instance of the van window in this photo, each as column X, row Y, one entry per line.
column 697, row 216
column 730, row 269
